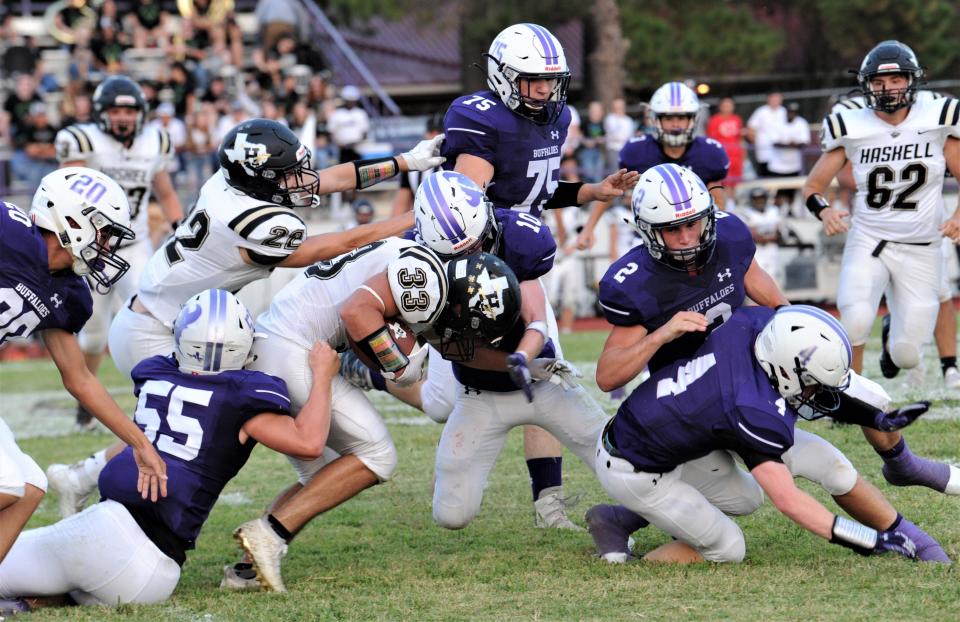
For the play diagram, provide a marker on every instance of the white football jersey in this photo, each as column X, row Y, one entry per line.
column 205, row 252
column 898, row 169
column 307, row 309
column 134, row 168
column 858, row 103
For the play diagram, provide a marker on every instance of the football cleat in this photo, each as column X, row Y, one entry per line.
column 265, row 549
column 13, row 606
column 239, row 576
column 887, row 366
column 550, row 510
column 355, row 371
column 951, row 378
column 65, row 480
column 610, row 527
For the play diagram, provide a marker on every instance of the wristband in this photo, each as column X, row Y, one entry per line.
column 816, row 204
column 539, row 326
column 853, row 535
column 373, row 171
column 381, row 347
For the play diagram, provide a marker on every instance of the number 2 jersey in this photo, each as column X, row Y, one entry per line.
column 525, row 156
column 719, row 398
column 133, row 168
column 898, row 169
column 31, row 298
column 639, row 290
column 194, row 421
column 205, row 252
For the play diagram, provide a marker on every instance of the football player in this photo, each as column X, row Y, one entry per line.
column 695, row 268
column 675, row 109
column 78, row 220
column 399, row 277
column 132, row 551
column 242, row 227
column 508, row 140
column 900, row 149
column 137, row 159
column 740, row 391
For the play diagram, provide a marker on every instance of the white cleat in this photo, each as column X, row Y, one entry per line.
column 265, row 549
column 953, row 484
column 551, row 510
column 65, row 480
column 239, row 576
column 951, row 378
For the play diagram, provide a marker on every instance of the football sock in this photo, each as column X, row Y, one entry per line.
column 946, row 362
column 902, row 468
column 928, row 549
column 279, row 529
column 89, row 471
column 378, row 381
column 544, row 473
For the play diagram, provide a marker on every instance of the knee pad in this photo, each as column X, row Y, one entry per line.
column 380, row 457
column 731, row 548
column 905, row 355
column 92, row 339
column 437, row 401
column 822, row 463
column 452, row 511
column 857, row 320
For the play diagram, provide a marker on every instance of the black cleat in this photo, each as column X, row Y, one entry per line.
column 887, row 367
column 85, row 420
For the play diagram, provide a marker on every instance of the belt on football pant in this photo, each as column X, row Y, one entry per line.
column 883, row 244
column 609, row 441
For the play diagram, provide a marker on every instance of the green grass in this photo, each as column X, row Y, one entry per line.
column 380, row 556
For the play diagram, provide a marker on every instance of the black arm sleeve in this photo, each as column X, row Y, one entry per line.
column 565, row 196
column 856, row 412
column 754, row 459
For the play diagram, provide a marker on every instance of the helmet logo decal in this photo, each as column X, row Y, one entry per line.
column 888, row 66
column 498, row 48
column 444, row 216
column 806, row 354
column 191, row 315
column 250, row 156
column 488, row 295
column 85, row 186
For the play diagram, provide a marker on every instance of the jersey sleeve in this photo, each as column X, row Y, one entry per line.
column 950, row 116
column 81, row 306
column 529, row 248
column 716, row 162
column 762, row 434
column 833, row 132
column 257, row 392
column 740, row 237
column 418, row 282
column 618, row 305
column 467, row 131
column 72, row 145
column 268, row 232
column 632, row 154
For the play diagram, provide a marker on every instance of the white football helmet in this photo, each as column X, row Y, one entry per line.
column 90, row 215
column 803, row 347
column 453, row 217
column 528, row 51
column 675, row 99
column 213, row 333
column 669, row 196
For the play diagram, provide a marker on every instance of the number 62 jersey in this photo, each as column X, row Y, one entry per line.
column 205, row 252
column 898, row 169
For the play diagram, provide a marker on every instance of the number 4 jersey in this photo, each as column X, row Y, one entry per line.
column 898, row 169
column 31, row 298
column 205, row 253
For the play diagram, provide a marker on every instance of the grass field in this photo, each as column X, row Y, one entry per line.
column 380, row 556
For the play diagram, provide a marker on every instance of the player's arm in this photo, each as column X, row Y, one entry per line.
column 329, row 245
column 761, row 288
column 628, row 349
column 585, row 239
column 718, row 194
column 305, row 435
column 476, row 168
column 365, row 311
column 72, row 163
column 951, row 153
column 365, row 173
column 826, row 168
column 533, row 313
column 167, row 197
column 86, row 388
column 402, row 202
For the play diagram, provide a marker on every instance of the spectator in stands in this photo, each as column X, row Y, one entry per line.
column 215, row 26
column 181, row 85
column 572, row 142
column 34, row 155
column 566, row 279
column 726, row 127
column 201, row 148
column 763, row 219
column 76, row 109
column 363, row 213
column 238, row 113
column 277, row 18
column 763, row 126
column 107, row 49
column 349, row 124
column 216, row 95
column 317, row 92
column 619, row 128
column 17, row 106
column 166, row 119
column 786, row 160
column 21, row 56
column 148, row 22
column 593, row 144
column 410, row 181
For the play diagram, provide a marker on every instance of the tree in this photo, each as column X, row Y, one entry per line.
column 606, row 51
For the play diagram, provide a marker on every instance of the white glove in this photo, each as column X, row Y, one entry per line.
column 558, row 371
column 413, row 372
column 425, row 155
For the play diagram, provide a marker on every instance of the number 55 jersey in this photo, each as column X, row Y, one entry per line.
column 898, row 169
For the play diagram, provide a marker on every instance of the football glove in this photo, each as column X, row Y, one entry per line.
column 413, row 372
column 893, row 542
column 558, row 371
column 901, row 417
column 425, row 155
column 520, row 373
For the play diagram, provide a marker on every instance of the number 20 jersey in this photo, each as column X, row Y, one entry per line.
column 898, row 169
column 133, row 168
column 205, row 253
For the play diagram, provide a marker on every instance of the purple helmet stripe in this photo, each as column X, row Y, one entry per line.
column 675, row 94
column 678, row 191
column 221, row 327
column 685, row 196
column 828, row 319
column 208, row 352
column 549, row 50
column 441, row 211
column 668, row 180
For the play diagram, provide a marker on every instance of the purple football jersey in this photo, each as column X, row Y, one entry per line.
column 194, row 422
column 639, row 290
column 31, row 298
column 525, row 156
column 704, row 156
column 719, row 398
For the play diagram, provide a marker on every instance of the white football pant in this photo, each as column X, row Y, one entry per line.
column 137, row 336
column 93, row 336
column 17, row 469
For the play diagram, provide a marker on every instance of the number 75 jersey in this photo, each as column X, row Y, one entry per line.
column 898, row 169
column 205, row 252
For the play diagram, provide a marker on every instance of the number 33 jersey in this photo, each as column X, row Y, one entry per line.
column 205, row 252
column 133, row 168
column 898, row 169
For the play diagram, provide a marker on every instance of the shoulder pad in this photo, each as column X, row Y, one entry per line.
column 949, row 112
column 418, row 282
column 72, row 143
column 249, row 220
column 166, row 145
